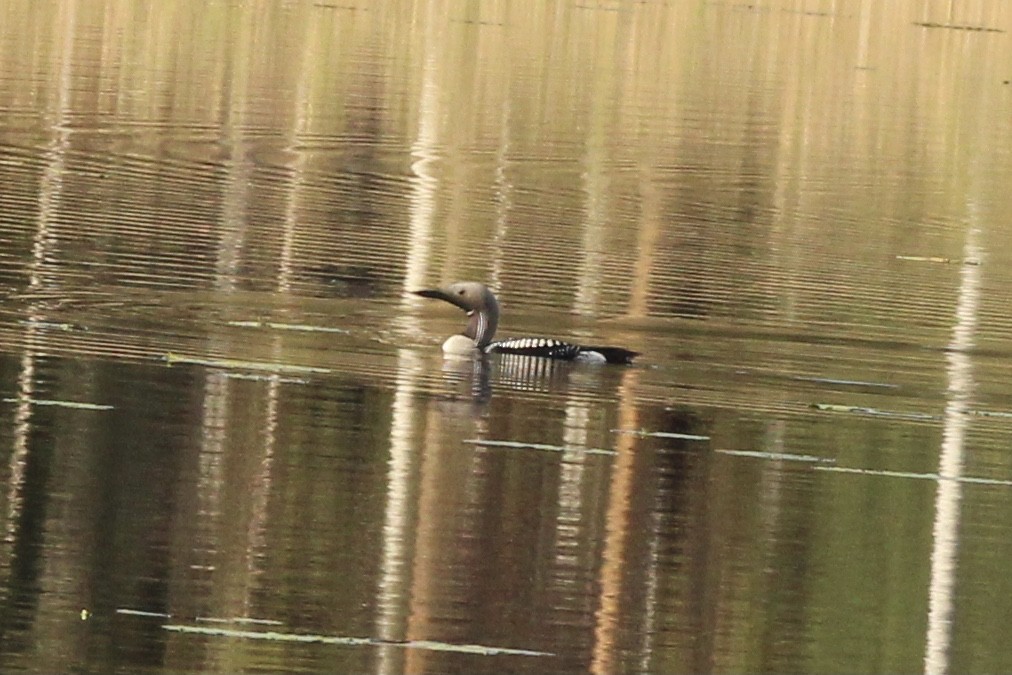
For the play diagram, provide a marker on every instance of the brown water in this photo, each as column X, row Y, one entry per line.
column 231, row 443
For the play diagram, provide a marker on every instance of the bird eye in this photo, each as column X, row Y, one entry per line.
column 460, row 292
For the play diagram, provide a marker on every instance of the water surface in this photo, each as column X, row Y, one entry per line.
column 231, row 441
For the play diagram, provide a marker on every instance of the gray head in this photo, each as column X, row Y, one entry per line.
column 479, row 303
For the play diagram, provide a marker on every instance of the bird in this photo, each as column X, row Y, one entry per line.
column 482, row 309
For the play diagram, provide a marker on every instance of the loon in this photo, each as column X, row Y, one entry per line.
column 482, row 307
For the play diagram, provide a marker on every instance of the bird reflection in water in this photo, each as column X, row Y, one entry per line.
column 475, row 379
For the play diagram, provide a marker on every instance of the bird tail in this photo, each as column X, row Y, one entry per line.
column 614, row 354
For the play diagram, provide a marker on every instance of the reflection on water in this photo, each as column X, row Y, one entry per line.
column 232, row 442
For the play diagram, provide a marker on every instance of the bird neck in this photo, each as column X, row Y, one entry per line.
column 482, row 323
column 481, row 326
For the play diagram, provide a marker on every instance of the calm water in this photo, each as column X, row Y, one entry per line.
column 230, row 441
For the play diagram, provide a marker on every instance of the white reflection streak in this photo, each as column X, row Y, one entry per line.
column 568, row 524
column 863, row 35
column 503, row 199
column 257, row 539
column 215, row 406
column 945, row 534
column 397, row 523
column 43, row 249
column 19, row 458
column 595, row 184
column 423, row 193
column 394, row 582
column 652, row 585
column 212, row 450
column 257, row 532
column 397, row 516
column 43, row 246
column 297, row 174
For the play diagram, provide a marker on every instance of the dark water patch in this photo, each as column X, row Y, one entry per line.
column 348, row 281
